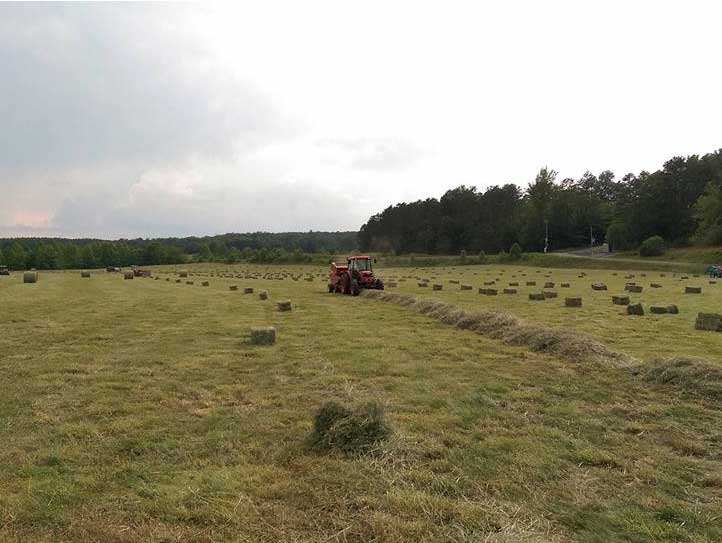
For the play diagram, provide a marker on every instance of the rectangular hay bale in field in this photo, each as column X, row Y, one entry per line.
column 263, row 335
column 670, row 309
column 693, row 290
column 711, row 322
column 509, row 291
column 573, row 302
column 620, row 300
column 536, row 296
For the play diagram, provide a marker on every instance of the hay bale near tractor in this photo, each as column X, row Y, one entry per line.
column 128, row 275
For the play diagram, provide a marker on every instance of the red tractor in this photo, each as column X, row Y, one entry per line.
column 354, row 276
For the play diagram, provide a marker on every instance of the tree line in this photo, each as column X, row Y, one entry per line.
column 258, row 247
column 681, row 203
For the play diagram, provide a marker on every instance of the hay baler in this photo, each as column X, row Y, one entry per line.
column 357, row 274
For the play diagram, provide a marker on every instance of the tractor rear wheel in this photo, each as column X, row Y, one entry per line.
column 346, row 283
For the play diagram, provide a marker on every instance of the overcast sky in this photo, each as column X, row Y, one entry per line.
column 155, row 120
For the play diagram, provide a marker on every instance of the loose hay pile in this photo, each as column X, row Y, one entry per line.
column 355, row 430
column 694, row 375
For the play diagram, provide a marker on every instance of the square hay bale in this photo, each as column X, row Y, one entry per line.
column 573, row 302
column 489, row 283
column 711, row 322
column 178, row 281
column 531, row 283
column 565, row 285
column 599, row 286
column 655, row 285
column 548, row 284
column 183, row 273
column 284, row 305
column 514, row 284
column 491, row 292
column 664, row 309
column 550, row 294
column 423, row 285
column 263, row 335
column 233, row 287
column 620, row 300
column 537, row 296
column 466, row 287
column 509, row 291
column 85, row 274
column 128, row 275
column 438, row 287
column 248, row 290
column 635, row 309
column 712, row 282
column 30, row 277
column 263, row 295
column 635, row 289
column 693, row 290
column 482, row 290
column 205, row 284
column 189, row 282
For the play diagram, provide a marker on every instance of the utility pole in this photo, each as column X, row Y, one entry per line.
column 546, row 235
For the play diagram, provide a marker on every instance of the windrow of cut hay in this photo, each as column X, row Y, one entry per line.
column 511, row 330
column 695, row 376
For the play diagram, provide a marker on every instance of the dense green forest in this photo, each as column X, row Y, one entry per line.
column 260, row 247
column 682, row 203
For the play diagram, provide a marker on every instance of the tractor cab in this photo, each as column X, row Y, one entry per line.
column 4, row 270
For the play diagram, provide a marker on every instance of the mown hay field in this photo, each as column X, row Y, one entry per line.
column 643, row 337
column 138, row 410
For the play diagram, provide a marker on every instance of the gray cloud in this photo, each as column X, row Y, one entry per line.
column 106, row 83
column 375, row 154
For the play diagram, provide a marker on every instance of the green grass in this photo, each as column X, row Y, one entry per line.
column 696, row 254
column 138, row 411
